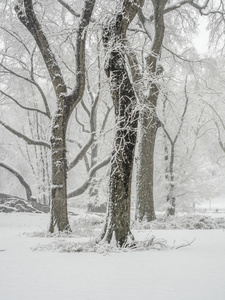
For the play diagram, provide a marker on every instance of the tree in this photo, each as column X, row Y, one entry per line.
column 154, row 27
column 171, row 200
column 66, row 102
column 26, row 82
column 149, row 121
column 124, row 99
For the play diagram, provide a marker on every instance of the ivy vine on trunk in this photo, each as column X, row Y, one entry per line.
column 124, row 98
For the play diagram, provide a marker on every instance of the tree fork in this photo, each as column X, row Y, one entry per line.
column 65, row 103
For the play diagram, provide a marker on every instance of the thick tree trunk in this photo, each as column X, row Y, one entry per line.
column 118, row 215
column 59, row 215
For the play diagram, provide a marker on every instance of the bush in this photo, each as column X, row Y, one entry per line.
column 184, row 222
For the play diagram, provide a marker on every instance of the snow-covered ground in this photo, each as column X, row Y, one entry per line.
column 195, row 272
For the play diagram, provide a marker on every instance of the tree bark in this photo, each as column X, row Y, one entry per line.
column 148, row 120
column 65, row 103
column 145, row 167
column 118, row 214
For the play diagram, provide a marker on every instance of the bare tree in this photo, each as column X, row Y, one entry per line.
column 66, row 102
column 170, row 157
column 154, row 27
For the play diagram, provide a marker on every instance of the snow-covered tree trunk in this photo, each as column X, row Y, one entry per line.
column 124, row 98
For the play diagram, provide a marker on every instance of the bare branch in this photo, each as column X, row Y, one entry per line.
column 81, row 154
column 85, row 108
column 16, row 74
column 25, row 138
column 219, row 117
column 32, row 81
column 19, row 177
column 29, row 19
column 184, row 112
column 17, row 37
column 222, row 145
column 69, row 8
column 78, row 121
column 48, row 113
column 22, row 106
column 109, row 109
column 185, row 244
column 87, row 183
column 76, row 95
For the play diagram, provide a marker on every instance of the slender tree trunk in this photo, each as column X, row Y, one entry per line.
column 118, row 215
column 171, row 200
column 93, row 189
column 145, row 167
column 148, row 120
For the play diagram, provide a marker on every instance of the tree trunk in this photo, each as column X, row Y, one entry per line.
column 145, row 167
column 118, row 214
column 59, row 215
column 148, row 119
column 65, row 103
column 169, row 174
column 171, row 200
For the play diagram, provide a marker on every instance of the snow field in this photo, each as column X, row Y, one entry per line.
column 196, row 272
